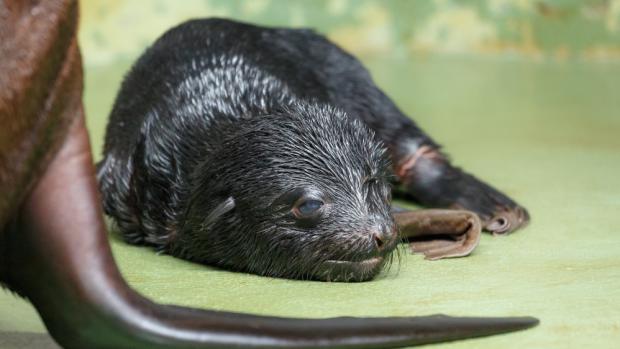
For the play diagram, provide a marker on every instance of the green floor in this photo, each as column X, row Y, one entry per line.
column 548, row 134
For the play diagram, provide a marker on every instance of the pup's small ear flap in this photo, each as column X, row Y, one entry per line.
column 222, row 208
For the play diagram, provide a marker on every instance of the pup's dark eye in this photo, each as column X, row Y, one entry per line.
column 309, row 207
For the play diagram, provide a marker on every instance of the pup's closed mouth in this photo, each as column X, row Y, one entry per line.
column 343, row 270
column 367, row 263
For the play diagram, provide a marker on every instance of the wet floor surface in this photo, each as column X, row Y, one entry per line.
column 546, row 133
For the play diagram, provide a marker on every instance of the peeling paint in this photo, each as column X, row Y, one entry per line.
column 255, row 7
column 613, row 16
column 529, row 29
column 376, row 31
column 454, row 29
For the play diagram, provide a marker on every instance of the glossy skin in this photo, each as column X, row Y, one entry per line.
column 210, row 152
column 55, row 252
column 262, row 221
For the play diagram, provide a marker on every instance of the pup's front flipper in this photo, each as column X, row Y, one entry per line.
column 429, row 177
column 439, row 233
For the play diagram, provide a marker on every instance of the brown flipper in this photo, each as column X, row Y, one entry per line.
column 60, row 259
column 40, row 91
column 439, row 233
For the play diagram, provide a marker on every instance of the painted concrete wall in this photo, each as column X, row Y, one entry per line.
column 530, row 29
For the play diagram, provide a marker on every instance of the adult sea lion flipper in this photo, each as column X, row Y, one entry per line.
column 59, row 257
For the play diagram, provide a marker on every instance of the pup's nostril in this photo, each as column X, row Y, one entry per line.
column 379, row 240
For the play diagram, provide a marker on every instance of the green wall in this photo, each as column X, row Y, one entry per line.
column 550, row 29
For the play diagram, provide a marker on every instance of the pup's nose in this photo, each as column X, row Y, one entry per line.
column 382, row 238
column 379, row 240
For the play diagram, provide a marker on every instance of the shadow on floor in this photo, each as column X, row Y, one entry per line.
column 26, row 340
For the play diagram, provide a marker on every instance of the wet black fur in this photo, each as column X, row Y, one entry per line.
column 205, row 142
column 220, row 124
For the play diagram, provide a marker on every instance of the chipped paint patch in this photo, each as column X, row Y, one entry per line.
column 454, row 29
column 613, row 16
column 374, row 36
column 255, row 7
column 529, row 29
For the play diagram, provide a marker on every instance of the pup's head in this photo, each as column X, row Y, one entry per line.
column 300, row 194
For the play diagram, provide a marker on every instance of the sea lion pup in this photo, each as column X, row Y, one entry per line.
column 268, row 150
column 296, row 189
